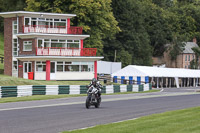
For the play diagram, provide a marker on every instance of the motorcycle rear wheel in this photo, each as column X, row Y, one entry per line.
column 98, row 103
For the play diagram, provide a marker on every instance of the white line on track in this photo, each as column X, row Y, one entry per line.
column 105, row 100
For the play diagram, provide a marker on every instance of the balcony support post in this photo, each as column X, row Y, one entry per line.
column 81, row 48
column 95, row 69
column 48, row 70
column 68, row 26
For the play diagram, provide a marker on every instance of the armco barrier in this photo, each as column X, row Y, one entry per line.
column 0, row 91
column 39, row 89
column 8, row 91
column 63, row 89
column 29, row 90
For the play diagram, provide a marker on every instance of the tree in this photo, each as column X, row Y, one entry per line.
column 157, row 26
column 194, row 64
column 176, row 47
column 163, row 3
column 10, row 5
column 133, row 38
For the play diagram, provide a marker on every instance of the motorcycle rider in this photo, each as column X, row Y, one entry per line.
column 97, row 85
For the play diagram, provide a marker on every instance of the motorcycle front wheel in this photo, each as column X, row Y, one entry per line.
column 87, row 103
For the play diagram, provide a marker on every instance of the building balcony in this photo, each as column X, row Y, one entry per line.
column 62, row 51
column 52, row 30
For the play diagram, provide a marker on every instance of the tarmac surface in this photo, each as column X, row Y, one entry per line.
column 57, row 115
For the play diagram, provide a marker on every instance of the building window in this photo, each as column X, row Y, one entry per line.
column 15, row 47
column 58, row 43
column 75, row 66
column 73, row 43
column 15, row 27
column 27, row 46
column 40, row 66
column 185, row 57
column 59, row 66
column 46, row 22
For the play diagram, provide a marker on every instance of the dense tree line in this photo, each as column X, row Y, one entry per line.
column 133, row 30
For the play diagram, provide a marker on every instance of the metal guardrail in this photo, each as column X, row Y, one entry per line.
column 30, row 90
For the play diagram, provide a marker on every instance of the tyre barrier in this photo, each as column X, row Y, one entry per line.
column 30, row 90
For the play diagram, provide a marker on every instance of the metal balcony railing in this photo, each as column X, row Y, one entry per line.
column 52, row 29
column 62, row 51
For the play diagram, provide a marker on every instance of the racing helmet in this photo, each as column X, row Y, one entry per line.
column 94, row 81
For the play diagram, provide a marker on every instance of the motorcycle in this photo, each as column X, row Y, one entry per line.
column 92, row 98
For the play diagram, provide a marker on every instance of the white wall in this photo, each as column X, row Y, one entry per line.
column 40, row 75
column 74, row 75
column 66, row 76
column 105, row 67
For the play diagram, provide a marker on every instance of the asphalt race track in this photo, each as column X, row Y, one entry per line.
column 53, row 116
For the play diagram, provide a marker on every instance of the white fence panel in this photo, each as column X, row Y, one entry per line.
column 123, row 88
column 146, row 87
column 135, row 88
column 109, row 89
column 51, row 89
column 74, row 89
column 25, row 90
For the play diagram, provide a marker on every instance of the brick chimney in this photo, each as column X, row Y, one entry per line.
column 194, row 40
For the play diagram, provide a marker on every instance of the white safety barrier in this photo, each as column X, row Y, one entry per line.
column 109, row 89
column 51, row 89
column 123, row 88
column 135, row 88
column 25, row 90
column 74, row 89
column 146, row 87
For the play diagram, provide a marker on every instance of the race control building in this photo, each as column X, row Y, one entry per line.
column 45, row 45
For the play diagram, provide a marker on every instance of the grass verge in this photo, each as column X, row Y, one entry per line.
column 46, row 97
column 13, row 81
column 36, row 97
column 180, row 121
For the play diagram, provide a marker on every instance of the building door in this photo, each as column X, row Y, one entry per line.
column 27, row 68
column 53, row 71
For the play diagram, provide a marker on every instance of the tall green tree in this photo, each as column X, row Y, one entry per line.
column 145, row 30
column 95, row 16
column 176, row 47
column 194, row 64
column 10, row 5
column 163, row 3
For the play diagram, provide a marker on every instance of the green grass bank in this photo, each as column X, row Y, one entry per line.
column 180, row 121
column 13, row 81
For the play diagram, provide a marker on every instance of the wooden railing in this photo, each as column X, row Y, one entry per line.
column 62, row 51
